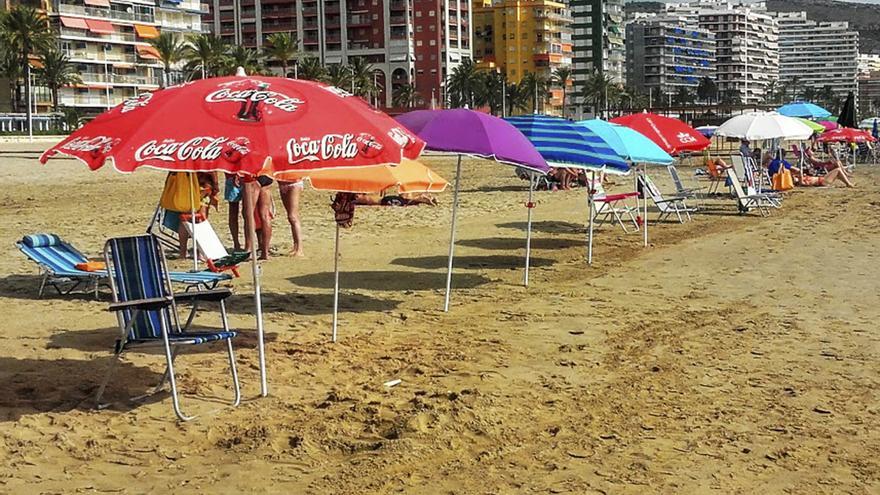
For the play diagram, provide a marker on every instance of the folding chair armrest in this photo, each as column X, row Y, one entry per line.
column 670, row 199
column 212, row 295
column 141, row 304
column 617, row 197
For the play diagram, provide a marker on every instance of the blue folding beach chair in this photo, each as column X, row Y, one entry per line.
column 57, row 261
column 146, row 310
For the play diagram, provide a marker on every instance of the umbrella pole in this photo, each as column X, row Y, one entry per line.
column 529, row 206
column 452, row 233
column 590, row 213
column 192, row 219
column 249, row 207
column 336, row 286
column 645, row 199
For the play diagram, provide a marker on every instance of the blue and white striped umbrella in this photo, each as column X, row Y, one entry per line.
column 564, row 143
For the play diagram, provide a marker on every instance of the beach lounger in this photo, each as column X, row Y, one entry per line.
column 716, row 178
column 745, row 202
column 58, row 260
column 164, row 226
column 668, row 206
column 680, row 189
column 146, row 310
column 613, row 207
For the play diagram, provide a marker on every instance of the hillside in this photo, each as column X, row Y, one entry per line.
column 862, row 17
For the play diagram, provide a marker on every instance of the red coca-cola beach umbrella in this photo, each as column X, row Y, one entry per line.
column 244, row 125
column 846, row 135
column 673, row 135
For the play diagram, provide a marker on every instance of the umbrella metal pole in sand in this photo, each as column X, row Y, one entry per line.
column 336, row 286
column 645, row 199
column 529, row 205
column 590, row 212
column 452, row 233
column 249, row 210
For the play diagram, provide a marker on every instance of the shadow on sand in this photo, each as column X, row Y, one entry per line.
column 494, row 262
column 516, row 243
column 387, row 280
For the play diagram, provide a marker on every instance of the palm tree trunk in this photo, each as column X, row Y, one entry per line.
column 563, row 99
column 55, row 99
column 283, row 69
column 27, row 93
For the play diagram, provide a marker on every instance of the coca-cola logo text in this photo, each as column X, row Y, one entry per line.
column 401, row 137
column 97, row 144
column 169, row 150
column 277, row 100
column 329, row 147
column 137, row 102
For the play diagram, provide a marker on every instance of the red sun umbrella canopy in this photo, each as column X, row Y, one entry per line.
column 846, row 135
column 241, row 124
column 673, row 135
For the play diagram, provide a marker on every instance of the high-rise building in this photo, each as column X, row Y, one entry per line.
column 869, row 94
column 598, row 39
column 817, row 54
column 417, row 42
column 107, row 41
column 663, row 55
column 519, row 37
column 869, row 62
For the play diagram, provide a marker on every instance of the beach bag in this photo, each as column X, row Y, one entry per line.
column 782, row 180
column 181, row 193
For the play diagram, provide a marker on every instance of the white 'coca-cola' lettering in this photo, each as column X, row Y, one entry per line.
column 139, row 101
column 97, row 143
column 329, row 147
column 169, row 150
column 277, row 100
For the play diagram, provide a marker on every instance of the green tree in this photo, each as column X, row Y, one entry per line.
column 281, row 48
column 205, row 53
column 69, row 118
column 707, row 90
column 244, row 57
column 561, row 77
column 538, row 85
column 310, row 68
column 518, row 98
column 683, row 96
column 596, row 91
column 406, row 96
column 170, row 48
column 463, row 84
column 362, row 75
column 56, row 72
column 339, row 75
column 491, row 91
column 11, row 69
column 25, row 32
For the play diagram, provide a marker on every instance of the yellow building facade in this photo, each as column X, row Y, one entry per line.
column 519, row 37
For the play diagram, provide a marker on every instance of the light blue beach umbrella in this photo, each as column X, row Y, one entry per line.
column 631, row 145
column 565, row 144
column 804, row 109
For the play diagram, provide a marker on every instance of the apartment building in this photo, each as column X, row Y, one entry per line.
column 417, row 42
column 598, row 37
column 664, row 54
column 518, row 37
column 108, row 41
column 817, row 54
column 869, row 94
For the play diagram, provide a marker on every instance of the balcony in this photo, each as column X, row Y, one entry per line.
column 134, row 79
column 105, row 13
column 101, row 56
column 355, row 21
column 79, row 33
column 398, row 19
column 398, row 4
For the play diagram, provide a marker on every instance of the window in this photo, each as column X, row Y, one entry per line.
column 431, row 13
column 420, row 58
column 418, row 13
column 433, row 42
column 418, row 42
column 419, row 28
column 375, row 17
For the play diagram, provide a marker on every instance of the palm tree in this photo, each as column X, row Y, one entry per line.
column 310, row 68
column 25, row 32
column 244, row 57
column 56, row 72
column 339, row 75
column 596, row 90
column 491, row 91
column 518, row 97
column 683, row 96
column 707, row 89
column 406, row 96
column 170, row 48
column 205, row 53
column 10, row 68
column 362, row 76
column 463, row 84
column 538, row 85
column 282, row 48
column 561, row 76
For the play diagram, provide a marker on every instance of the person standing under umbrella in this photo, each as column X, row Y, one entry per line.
column 290, row 194
column 745, row 150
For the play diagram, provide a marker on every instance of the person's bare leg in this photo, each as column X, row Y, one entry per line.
column 263, row 204
column 250, row 194
column 290, row 196
column 838, row 174
column 234, row 212
column 183, row 238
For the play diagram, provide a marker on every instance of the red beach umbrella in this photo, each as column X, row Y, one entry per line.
column 846, row 135
column 241, row 124
column 673, row 135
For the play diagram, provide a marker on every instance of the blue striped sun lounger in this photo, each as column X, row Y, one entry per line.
column 57, row 260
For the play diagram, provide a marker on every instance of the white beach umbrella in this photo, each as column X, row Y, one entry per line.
column 756, row 126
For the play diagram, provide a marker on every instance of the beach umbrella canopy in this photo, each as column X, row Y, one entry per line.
column 408, row 177
column 828, row 125
column 564, row 143
column 815, row 126
column 241, row 124
column 707, row 130
column 803, row 109
column 628, row 143
column 847, row 117
column 868, row 123
column 673, row 135
column 764, row 125
column 473, row 133
column 846, row 135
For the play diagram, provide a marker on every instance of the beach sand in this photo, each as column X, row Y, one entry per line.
column 736, row 354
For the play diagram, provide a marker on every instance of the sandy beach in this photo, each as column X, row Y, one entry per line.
column 735, row 354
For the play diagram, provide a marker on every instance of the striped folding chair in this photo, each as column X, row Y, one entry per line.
column 58, row 262
column 146, row 310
